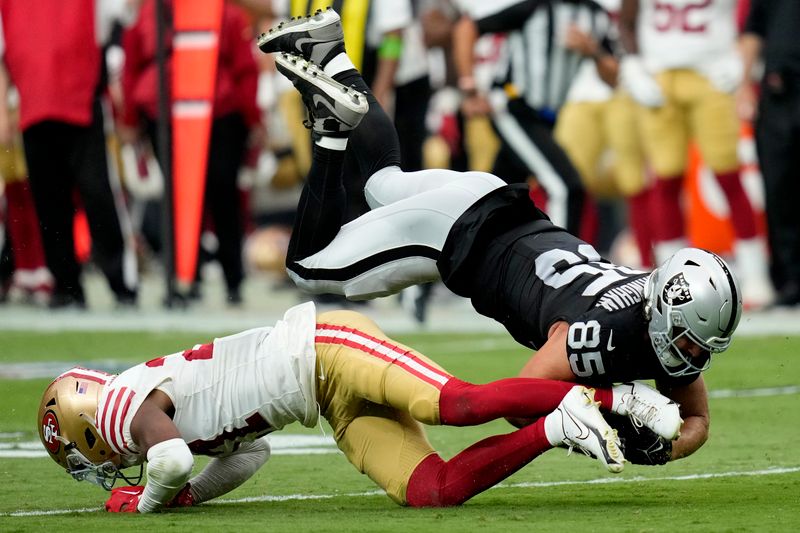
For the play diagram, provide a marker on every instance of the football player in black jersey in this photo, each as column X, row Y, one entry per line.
column 590, row 321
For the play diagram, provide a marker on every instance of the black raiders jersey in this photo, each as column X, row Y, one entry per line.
column 518, row 268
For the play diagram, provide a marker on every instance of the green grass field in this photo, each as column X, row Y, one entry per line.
column 746, row 478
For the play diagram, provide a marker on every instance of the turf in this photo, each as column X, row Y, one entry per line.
column 731, row 484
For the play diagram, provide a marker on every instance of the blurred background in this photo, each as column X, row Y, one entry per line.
column 151, row 158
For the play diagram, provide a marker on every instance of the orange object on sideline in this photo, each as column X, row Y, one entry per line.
column 83, row 239
column 195, row 50
column 706, row 225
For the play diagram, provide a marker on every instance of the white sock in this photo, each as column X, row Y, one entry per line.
column 333, row 143
column 617, row 405
column 339, row 63
column 554, row 428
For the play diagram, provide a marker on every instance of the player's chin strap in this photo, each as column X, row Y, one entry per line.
column 104, row 475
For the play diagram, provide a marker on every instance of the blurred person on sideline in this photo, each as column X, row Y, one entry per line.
column 236, row 123
column 682, row 67
column 530, row 85
column 598, row 123
column 23, row 270
column 61, row 116
column 770, row 34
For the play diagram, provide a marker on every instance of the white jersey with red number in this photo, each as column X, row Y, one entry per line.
column 236, row 389
column 685, row 33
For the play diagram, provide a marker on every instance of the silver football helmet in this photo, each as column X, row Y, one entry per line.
column 693, row 294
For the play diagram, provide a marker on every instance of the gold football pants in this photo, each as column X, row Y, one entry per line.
column 375, row 393
column 693, row 109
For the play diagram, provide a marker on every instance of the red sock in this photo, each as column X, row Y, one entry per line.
column 439, row 483
column 590, row 222
column 466, row 404
column 605, row 397
column 665, row 203
column 639, row 221
column 742, row 215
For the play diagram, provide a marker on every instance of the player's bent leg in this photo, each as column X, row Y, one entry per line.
column 439, row 483
column 387, row 445
column 390, row 184
column 468, row 404
column 321, row 209
column 576, row 423
column 359, row 361
column 386, row 249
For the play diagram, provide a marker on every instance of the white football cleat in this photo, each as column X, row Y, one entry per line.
column 334, row 110
column 645, row 406
column 318, row 37
column 577, row 423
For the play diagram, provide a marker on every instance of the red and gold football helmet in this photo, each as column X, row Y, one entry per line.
column 67, row 427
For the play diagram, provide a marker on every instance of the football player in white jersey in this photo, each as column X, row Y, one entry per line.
column 222, row 399
column 683, row 68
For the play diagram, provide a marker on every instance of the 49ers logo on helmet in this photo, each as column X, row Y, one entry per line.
column 50, row 432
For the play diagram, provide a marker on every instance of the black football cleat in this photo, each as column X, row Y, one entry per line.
column 317, row 38
column 334, row 110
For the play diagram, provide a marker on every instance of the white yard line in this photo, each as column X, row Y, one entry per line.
column 524, row 485
column 750, row 393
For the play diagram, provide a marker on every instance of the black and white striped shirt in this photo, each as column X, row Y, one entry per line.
column 536, row 65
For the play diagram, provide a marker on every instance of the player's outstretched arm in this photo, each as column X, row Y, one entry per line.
column 693, row 399
column 222, row 475
column 169, row 460
column 551, row 361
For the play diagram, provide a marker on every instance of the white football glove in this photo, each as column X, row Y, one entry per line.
column 639, row 83
column 725, row 73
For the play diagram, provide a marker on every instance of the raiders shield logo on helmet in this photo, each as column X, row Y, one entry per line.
column 676, row 291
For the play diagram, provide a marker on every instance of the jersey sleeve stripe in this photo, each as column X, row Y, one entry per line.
column 382, row 349
column 114, row 442
column 122, row 418
column 86, row 374
column 101, row 420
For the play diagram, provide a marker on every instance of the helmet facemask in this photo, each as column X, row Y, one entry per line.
column 103, row 475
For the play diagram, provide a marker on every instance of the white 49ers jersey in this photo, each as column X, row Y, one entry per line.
column 685, row 33
column 236, row 389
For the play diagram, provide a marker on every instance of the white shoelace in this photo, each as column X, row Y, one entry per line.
column 640, row 412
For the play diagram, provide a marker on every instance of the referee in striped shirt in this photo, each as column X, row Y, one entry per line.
column 531, row 83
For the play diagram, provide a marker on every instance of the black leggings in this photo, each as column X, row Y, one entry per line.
column 334, row 190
